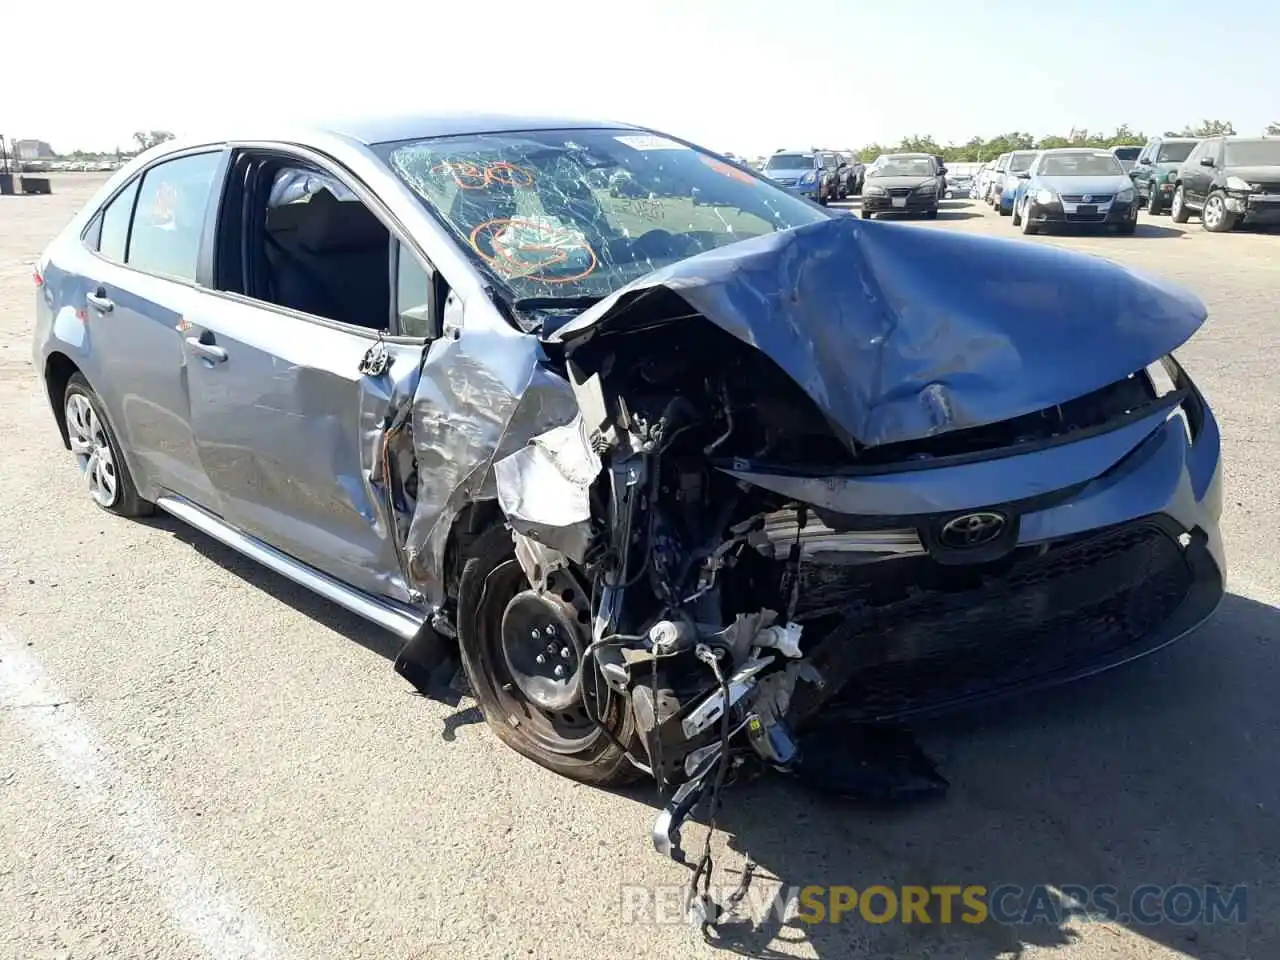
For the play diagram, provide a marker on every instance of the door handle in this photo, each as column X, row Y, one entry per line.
column 100, row 301
column 210, row 351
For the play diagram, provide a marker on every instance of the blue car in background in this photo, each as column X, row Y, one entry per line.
column 1076, row 186
column 802, row 172
column 1019, row 164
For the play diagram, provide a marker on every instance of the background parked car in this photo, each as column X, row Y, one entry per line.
column 1002, row 193
column 995, row 178
column 1127, row 155
column 801, row 171
column 1075, row 185
column 1230, row 181
column 1156, row 171
column 902, row 183
column 851, row 172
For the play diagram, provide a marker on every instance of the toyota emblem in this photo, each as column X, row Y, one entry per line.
column 972, row 530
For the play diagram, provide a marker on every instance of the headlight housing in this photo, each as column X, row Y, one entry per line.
column 872, row 189
column 1045, row 196
column 810, row 177
column 1125, row 195
column 1171, row 176
column 927, row 188
column 1237, row 184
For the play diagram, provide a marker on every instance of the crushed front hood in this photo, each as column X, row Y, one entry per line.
column 899, row 332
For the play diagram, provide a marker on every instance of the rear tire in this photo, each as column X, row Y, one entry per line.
column 491, row 577
column 931, row 213
column 1154, row 207
column 1178, row 211
column 98, row 452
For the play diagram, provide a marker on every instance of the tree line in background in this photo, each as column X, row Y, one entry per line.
column 978, row 149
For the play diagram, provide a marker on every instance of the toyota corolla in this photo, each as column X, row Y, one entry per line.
column 669, row 477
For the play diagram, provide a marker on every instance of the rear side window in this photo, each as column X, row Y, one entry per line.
column 168, row 221
column 113, row 238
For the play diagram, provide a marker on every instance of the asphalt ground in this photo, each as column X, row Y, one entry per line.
column 198, row 759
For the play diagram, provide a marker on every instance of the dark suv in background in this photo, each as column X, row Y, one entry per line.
column 1155, row 172
column 1230, row 182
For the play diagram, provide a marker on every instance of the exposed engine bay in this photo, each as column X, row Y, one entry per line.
column 703, row 602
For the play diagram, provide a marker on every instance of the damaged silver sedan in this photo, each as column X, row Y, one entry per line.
column 678, row 476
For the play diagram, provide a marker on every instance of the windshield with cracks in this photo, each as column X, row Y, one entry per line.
column 573, row 214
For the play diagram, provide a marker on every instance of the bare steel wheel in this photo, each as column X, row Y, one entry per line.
column 523, row 654
column 106, row 475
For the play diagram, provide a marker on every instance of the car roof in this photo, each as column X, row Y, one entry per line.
column 383, row 129
column 1093, row 151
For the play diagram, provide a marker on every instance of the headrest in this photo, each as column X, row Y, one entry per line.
column 330, row 225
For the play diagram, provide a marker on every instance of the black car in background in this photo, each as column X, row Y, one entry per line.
column 850, row 171
column 1155, row 173
column 903, row 183
column 1230, row 182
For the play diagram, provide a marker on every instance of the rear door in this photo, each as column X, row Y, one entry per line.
column 149, row 239
column 296, row 362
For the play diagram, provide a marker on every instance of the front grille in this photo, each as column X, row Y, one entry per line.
column 1074, row 604
column 786, row 181
column 899, row 191
column 1084, row 217
column 1092, row 197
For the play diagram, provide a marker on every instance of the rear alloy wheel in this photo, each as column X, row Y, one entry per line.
column 106, row 475
column 1216, row 218
column 522, row 652
column 1178, row 211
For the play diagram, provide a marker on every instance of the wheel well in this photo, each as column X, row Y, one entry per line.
column 57, row 371
column 473, row 520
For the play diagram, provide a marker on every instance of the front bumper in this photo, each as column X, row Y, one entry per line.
column 911, row 203
column 1262, row 208
column 1103, row 573
column 1111, row 213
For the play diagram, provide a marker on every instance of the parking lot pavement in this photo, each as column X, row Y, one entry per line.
column 197, row 759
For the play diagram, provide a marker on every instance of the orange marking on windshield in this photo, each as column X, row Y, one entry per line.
column 531, row 258
column 727, row 170
column 473, row 176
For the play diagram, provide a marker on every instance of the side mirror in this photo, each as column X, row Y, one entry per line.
column 942, row 171
column 1025, row 175
column 1206, row 161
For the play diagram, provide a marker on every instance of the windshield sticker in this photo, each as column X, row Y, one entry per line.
column 727, row 170
column 480, row 176
column 648, row 141
column 536, row 248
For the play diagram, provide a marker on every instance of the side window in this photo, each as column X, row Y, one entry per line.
column 170, row 214
column 113, row 237
column 1197, row 153
column 308, row 243
column 413, row 294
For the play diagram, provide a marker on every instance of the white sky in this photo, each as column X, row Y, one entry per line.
column 746, row 76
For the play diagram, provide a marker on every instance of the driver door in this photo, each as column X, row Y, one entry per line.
column 285, row 409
